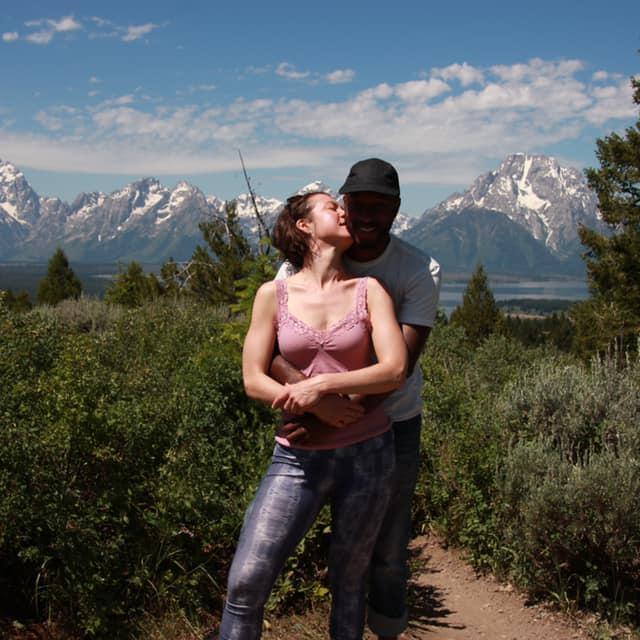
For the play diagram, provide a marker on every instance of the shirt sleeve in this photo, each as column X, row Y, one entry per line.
column 285, row 271
column 420, row 302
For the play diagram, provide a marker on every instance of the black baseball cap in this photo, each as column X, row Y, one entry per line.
column 372, row 174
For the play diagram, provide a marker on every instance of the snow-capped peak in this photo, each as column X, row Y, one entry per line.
column 536, row 192
column 17, row 198
column 9, row 173
column 317, row 186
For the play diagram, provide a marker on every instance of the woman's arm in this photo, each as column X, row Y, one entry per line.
column 258, row 346
column 385, row 375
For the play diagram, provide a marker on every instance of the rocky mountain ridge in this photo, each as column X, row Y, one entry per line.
column 547, row 200
column 521, row 218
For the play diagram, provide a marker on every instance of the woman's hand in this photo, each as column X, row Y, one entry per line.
column 299, row 397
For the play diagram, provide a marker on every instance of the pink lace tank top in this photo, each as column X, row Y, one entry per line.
column 344, row 346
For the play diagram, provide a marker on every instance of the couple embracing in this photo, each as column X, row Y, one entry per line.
column 348, row 317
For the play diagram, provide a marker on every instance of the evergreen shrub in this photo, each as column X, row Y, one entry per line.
column 127, row 459
column 568, row 491
column 531, row 461
column 462, row 441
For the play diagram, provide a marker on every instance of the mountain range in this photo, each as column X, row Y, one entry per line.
column 521, row 218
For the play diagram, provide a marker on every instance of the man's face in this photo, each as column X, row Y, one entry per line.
column 369, row 217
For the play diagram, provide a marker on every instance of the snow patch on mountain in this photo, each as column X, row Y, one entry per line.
column 12, row 210
column 550, row 201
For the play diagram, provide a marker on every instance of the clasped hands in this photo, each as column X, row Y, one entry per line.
column 305, row 396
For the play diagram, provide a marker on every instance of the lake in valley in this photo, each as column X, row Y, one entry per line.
column 96, row 278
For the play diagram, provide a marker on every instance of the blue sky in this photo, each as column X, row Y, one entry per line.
column 95, row 95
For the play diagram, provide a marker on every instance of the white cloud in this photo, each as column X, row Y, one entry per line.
column 537, row 67
column 57, row 118
column 68, row 23
column 50, row 27
column 340, row 76
column 104, row 28
column 40, row 37
column 287, row 70
column 523, row 106
column 380, row 92
column 94, row 80
column 135, row 32
column 613, row 101
column 599, row 76
column 10, row 36
column 119, row 101
column 421, row 90
column 48, row 121
column 464, row 73
column 44, row 153
column 436, row 130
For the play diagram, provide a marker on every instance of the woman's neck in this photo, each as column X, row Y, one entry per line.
column 323, row 268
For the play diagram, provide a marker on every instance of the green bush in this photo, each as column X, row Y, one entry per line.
column 569, row 486
column 86, row 314
column 129, row 452
column 462, row 442
column 573, row 530
column 531, row 461
column 127, row 458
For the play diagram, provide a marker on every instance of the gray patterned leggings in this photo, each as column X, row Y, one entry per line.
column 355, row 481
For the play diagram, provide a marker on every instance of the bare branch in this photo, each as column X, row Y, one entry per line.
column 263, row 231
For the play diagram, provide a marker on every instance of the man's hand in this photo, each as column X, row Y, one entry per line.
column 337, row 411
column 294, row 432
column 333, row 410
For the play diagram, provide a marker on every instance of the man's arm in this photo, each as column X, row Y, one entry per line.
column 335, row 410
column 284, row 372
column 415, row 336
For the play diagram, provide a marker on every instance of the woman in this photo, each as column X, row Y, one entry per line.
column 328, row 324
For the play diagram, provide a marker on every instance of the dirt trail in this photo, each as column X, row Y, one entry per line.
column 450, row 602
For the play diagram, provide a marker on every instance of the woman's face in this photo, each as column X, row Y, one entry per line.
column 328, row 221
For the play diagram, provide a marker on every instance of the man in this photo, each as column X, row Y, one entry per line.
column 372, row 200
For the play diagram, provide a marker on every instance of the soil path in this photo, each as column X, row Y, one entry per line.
column 450, row 602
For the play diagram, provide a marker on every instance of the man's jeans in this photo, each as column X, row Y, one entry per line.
column 387, row 614
column 356, row 481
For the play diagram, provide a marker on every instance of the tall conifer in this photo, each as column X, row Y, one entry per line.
column 60, row 282
column 612, row 316
column 478, row 314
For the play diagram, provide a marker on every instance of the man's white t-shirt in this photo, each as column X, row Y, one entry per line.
column 412, row 279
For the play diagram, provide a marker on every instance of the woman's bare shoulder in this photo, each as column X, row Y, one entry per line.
column 375, row 287
column 266, row 296
column 267, row 288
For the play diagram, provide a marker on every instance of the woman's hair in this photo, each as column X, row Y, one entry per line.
column 293, row 243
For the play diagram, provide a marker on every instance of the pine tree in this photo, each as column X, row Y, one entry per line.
column 214, row 271
column 133, row 287
column 478, row 314
column 60, row 282
column 612, row 316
